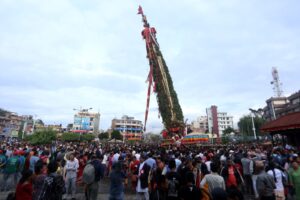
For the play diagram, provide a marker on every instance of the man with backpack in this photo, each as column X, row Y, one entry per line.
column 92, row 173
column 53, row 186
column 173, row 180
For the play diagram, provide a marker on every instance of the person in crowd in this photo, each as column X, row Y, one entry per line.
column 189, row 191
column 158, row 180
column 213, row 180
column 24, row 188
column 133, row 171
column 71, row 176
column 278, row 177
column 143, row 175
column 33, row 159
column 265, row 183
column 38, row 179
column 295, row 178
column 53, row 185
column 231, row 175
column 117, row 178
column 10, row 172
column 92, row 188
column 173, row 182
column 247, row 164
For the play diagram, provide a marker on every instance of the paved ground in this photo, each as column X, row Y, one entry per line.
column 103, row 192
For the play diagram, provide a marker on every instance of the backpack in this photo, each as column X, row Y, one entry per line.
column 88, row 175
column 53, row 188
column 172, row 187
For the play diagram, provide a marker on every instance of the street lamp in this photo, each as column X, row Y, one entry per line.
column 253, row 126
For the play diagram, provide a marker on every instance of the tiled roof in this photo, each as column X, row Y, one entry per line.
column 286, row 122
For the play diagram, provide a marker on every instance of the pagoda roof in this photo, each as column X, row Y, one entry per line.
column 284, row 123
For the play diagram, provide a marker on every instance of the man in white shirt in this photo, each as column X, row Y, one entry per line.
column 115, row 157
column 142, row 184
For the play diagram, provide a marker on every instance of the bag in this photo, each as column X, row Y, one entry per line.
column 172, row 187
column 88, row 176
column 53, row 188
column 284, row 179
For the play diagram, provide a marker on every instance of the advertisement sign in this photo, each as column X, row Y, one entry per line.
column 82, row 122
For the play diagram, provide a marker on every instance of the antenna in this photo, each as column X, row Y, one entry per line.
column 276, row 83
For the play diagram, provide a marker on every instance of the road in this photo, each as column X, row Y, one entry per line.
column 103, row 192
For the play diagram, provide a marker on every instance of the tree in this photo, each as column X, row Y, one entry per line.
column 228, row 131
column 245, row 125
column 104, row 135
column 70, row 137
column 116, row 135
column 77, row 137
column 45, row 136
column 87, row 137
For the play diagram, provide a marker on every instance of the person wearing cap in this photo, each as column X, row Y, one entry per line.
column 143, row 174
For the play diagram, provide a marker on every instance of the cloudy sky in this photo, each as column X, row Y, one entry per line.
column 62, row 54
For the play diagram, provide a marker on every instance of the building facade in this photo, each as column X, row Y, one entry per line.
column 86, row 122
column 10, row 123
column 218, row 121
column 129, row 127
column 280, row 106
column 200, row 125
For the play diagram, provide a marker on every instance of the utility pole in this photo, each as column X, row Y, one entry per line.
column 253, row 125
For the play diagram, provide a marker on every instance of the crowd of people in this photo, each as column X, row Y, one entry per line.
column 234, row 172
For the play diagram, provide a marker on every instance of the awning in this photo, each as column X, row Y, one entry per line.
column 286, row 122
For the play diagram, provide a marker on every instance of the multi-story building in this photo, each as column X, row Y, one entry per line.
column 200, row 124
column 218, row 121
column 129, row 127
column 280, row 106
column 10, row 123
column 86, row 122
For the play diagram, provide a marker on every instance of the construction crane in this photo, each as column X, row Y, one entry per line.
column 160, row 81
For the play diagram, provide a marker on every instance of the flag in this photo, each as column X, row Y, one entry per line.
column 140, row 10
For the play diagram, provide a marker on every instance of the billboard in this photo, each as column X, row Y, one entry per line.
column 82, row 122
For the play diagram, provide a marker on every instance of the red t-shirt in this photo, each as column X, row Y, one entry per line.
column 24, row 191
column 231, row 181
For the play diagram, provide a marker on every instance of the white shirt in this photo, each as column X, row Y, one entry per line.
column 104, row 161
column 115, row 157
column 138, row 187
column 208, row 165
column 278, row 174
column 137, row 155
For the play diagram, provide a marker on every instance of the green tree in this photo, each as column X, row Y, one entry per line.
column 45, row 136
column 104, row 135
column 116, row 135
column 70, row 137
column 228, row 130
column 245, row 125
column 87, row 137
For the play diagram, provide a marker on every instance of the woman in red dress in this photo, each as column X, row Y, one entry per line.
column 24, row 188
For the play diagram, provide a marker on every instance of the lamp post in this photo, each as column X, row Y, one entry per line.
column 252, row 119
